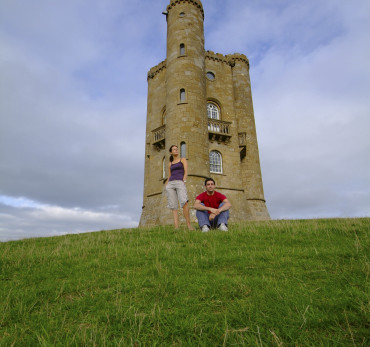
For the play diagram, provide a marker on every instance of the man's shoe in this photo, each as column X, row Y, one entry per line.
column 223, row 227
column 205, row 228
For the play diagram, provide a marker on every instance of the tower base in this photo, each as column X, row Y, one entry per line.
column 155, row 211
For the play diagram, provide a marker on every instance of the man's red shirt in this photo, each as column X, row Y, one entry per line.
column 213, row 200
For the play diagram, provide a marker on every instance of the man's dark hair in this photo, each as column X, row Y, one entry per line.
column 209, row 179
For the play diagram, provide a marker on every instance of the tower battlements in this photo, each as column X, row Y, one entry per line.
column 197, row 3
column 216, row 57
column 232, row 58
column 157, row 69
column 227, row 59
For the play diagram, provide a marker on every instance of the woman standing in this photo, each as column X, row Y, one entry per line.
column 175, row 186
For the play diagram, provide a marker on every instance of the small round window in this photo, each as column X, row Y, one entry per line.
column 210, row 75
column 182, row 14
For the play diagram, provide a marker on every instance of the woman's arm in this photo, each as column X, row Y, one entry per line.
column 185, row 163
column 169, row 173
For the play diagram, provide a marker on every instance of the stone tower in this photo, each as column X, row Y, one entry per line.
column 201, row 102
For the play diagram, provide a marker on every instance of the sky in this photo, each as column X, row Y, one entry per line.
column 73, row 92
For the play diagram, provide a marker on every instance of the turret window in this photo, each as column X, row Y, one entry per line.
column 215, row 162
column 213, row 111
column 183, row 150
column 182, row 49
column 182, row 95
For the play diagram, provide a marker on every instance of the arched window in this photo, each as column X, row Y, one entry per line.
column 164, row 167
column 164, row 114
column 215, row 162
column 182, row 95
column 183, row 150
column 182, row 49
column 213, row 111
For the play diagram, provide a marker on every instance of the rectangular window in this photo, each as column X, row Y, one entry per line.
column 182, row 95
column 182, row 49
column 183, row 150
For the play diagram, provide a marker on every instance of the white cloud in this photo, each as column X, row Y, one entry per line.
column 313, row 112
column 22, row 217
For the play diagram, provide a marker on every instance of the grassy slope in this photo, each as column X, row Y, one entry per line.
column 263, row 283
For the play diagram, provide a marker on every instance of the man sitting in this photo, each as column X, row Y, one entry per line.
column 212, row 208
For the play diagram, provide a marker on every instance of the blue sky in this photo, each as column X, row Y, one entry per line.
column 73, row 95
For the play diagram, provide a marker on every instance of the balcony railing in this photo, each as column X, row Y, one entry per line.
column 219, row 130
column 159, row 137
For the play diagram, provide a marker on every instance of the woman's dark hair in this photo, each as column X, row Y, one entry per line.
column 171, row 156
column 209, row 179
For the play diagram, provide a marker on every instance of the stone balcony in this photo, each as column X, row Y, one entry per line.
column 219, row 130
column 159, row 137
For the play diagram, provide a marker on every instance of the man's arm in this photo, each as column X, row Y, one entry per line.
column 198, row 206
column 225, row 206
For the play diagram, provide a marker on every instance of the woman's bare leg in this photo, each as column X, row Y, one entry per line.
column 175, row 218
column 187, row 216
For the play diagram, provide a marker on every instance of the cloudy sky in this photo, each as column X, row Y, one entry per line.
column 73, row 95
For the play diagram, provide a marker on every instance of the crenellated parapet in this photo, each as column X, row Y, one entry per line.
column 233, row 58
column 216, row 57
column 157, row 69
column 197, row 3
column 229, row 59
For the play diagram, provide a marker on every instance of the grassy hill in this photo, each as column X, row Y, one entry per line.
column 274, row 283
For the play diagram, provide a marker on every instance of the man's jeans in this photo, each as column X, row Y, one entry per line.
column 203, row 218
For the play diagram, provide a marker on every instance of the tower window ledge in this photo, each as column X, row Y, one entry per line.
column 218, row 174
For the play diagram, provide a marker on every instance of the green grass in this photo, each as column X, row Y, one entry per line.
column 277, row 283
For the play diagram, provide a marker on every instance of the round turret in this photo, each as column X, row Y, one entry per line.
column 197, row 3
column 186, row 114
column 252, row 178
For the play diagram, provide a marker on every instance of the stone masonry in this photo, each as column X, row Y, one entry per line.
column 183, row 90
